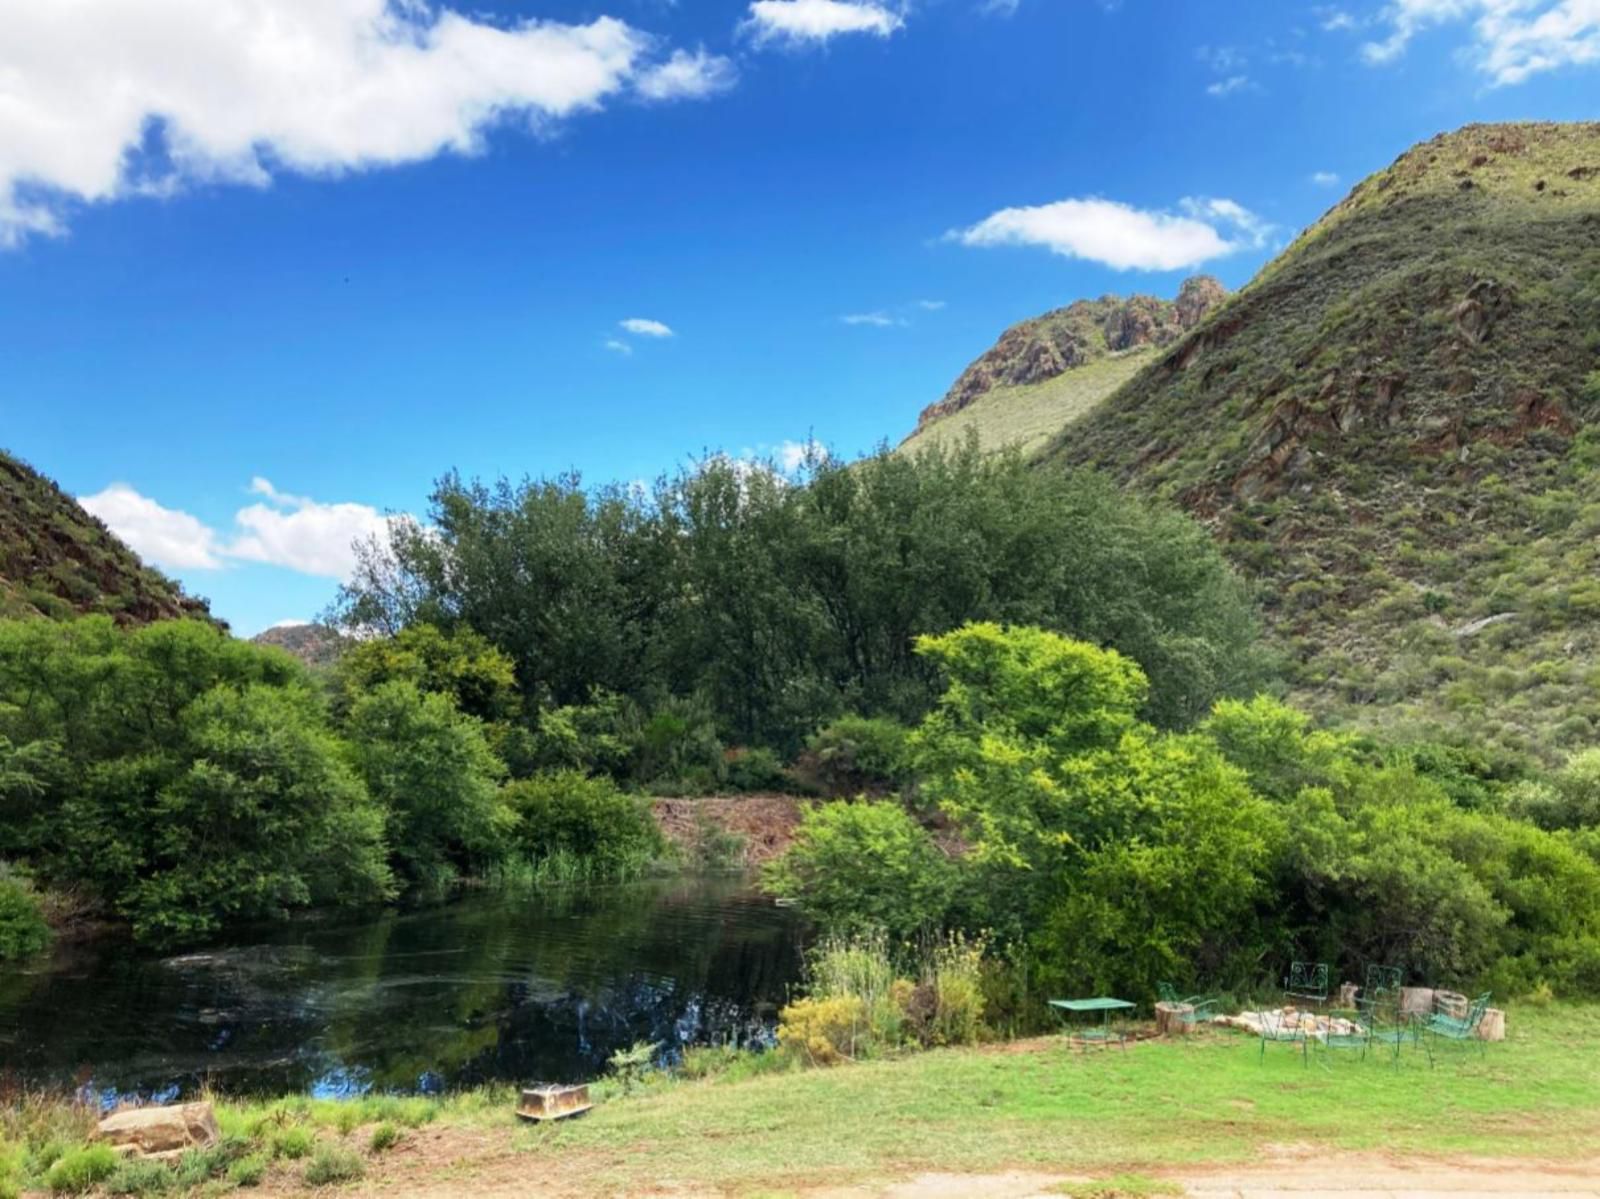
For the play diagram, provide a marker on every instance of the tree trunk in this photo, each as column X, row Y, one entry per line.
column 1493, row 1025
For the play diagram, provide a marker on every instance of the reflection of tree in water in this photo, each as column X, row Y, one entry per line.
column 490, row 988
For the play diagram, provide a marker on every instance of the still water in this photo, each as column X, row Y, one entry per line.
column 487, row 988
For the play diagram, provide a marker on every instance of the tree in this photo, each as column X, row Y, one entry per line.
column 433, row 772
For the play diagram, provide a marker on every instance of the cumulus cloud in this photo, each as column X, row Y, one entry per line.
column 164, row 536
column 802, row 22
column 102, row 99
column 686, row 76
column 1325, row 178
column 289, row 624
column 877, row 320
column 641, row 327
column 1512, row 39
column 617, row 346
column 1121, row 236
column 285, row 530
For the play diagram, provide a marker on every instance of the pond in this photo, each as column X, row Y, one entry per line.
column 491, row 987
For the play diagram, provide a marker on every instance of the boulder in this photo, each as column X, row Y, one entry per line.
column 160, row 1132
column 1493, row 1025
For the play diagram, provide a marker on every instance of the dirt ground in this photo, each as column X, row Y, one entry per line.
column 765, row 822
column 444, row 1162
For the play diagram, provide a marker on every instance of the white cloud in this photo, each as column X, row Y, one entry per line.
column 999, row 8
column 641, row 327
column 930, row 305
column 1325, row 178
column 878, row 320
column 165, row 536
column 289, row 624
column 102, row 99
column 797, row 22
column 687, row 76
column 303, row 534
column 791, row 455
column 1121, row 236
column 617, row 346
column 284, row 530
column 1226, row 87
column 1513, row 39
column 1334, row 20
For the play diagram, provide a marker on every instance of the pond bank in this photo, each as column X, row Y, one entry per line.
column 1031, row 1117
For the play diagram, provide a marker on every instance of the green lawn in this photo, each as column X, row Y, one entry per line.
column 1044, row 1107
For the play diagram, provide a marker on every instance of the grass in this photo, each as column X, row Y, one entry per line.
column 1029, row 416
column 1118, row 1118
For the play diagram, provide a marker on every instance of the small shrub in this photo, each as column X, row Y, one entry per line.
column 858, row 754
column 333, row 1164
column 293, row 1142
column 248, row 1171
column 385, row 1136
column 23, row 931
column 139, row 1176
column 707, row 1061
column 957, row 980
column 566, row 812
column 199, row 1166
column 823, row 1032
column 756, row 769
column 631, row 1066
column 79, row 1169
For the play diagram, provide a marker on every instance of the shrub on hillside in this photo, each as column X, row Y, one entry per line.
column 857, row 754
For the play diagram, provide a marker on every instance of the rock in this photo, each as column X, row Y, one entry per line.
column 1493, row 1025
column 1416, row 1001
column 1198, row 296
column 160, row 1132
column 1477, row 626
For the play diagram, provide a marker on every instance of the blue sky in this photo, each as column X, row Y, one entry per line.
column 269, row 267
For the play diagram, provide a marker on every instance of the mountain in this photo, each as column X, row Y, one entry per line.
column 1047, row 371
column 1395, row 429
column 313, row 644
column 57, row 560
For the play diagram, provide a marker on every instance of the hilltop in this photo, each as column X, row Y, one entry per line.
column 314, row 644
column 1393, row 430
column 57, row 560
column 1047, row 371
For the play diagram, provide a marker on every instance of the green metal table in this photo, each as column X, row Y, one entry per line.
column 1103, row 1004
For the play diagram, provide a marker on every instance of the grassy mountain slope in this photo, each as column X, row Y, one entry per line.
column 57, row 560
column 1051, row 369
column 1396, row 429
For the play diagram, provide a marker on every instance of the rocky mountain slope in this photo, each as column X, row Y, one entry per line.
column 314, row 644
column 57, row 560
column 1395, row 428
column 1049, row 370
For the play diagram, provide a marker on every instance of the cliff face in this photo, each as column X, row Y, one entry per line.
column 1082, row 333
column 57, row 560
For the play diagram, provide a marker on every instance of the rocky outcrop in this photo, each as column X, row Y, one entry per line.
column 1083, row 332
column 313, row 644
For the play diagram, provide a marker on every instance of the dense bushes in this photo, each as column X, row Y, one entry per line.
column 191, row 782
column 855, row 755
column 567, row 814
column 1100, row 853
column 782, row 603
column 23, row 931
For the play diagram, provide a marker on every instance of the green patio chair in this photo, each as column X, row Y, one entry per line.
column 1201, row 1008
column 1307, row 981
column 1441, row 1026
column 1280, row 1029
column 1383, row 978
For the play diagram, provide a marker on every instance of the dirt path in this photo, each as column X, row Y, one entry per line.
column 447, row 1164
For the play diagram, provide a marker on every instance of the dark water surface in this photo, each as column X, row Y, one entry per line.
column 490, row 987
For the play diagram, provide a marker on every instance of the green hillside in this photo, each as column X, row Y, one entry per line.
column 1051, row 369
column 1394, row 429
column 57, row 560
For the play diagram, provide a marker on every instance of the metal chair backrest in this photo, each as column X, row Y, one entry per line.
column 1383, row 978
column 1307, row 980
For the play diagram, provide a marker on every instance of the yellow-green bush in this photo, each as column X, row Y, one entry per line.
column 824, row 1031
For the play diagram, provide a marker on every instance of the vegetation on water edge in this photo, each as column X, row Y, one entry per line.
column 1099, row 855
column 1038, row 1105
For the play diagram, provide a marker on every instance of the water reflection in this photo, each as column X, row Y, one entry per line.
column 488, row 988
